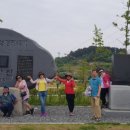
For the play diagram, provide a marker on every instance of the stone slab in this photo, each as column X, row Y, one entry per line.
column 23, row 56
column 119, row 97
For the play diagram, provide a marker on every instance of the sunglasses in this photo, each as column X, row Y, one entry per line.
column 18, row 77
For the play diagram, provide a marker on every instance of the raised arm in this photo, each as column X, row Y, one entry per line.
column 16, row 85
column 60, row 79
column 49, row 80
column 31, row 80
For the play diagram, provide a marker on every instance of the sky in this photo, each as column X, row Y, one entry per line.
column 61, row 26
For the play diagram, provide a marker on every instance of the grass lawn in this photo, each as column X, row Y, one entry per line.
column 66, row 127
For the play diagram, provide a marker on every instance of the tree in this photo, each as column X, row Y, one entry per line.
column 102, row 53
column 83, row 70
column 125, row 28
column 98, row 39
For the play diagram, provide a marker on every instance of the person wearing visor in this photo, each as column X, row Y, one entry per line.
column 69, row 90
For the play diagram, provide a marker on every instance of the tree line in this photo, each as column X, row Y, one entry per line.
column 90, row 55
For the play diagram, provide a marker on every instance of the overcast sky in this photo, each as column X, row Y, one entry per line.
column 61, row 26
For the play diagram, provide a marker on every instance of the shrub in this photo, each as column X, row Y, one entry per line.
column 56, row 96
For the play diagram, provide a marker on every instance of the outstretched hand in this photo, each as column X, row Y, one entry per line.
column 56, row 77
column 29, row 77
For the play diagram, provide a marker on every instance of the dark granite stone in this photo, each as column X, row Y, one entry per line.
column 21, row 55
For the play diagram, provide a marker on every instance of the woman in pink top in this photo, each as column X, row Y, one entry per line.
column 22, row 85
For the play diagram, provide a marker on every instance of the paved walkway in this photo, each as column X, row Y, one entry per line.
column 59, row 115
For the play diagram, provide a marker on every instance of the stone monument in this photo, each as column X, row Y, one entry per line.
column 21, row 55
column 120, row 88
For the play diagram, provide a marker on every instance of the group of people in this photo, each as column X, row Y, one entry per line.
column 99, row 89
column 8, row 100
column 41, row 86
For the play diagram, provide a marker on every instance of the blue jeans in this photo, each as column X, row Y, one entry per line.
column 7, row 109
column 42, row 96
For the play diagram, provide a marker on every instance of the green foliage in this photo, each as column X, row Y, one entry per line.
column 33, row 91
column 91, row 127
column 125, row 28
column 83, row 70
column 98, row 39
column 56, row 96
column 87, row 54
column 80, row 99
column 102, row 53
column 27, row 128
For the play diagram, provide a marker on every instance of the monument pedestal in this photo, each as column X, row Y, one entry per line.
column 18, row 108
column 119, row 98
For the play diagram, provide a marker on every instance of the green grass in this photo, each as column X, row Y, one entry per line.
column 52, row 100
column 26, row 128
column 65, row 127
column 88, row 128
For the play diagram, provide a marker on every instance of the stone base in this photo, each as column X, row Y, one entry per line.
column 119, row 97
column 18, row 108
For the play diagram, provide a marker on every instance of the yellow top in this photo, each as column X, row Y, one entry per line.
column 41, row 85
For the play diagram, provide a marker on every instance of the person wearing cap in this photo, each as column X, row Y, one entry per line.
column 105, row 85
column 41, row 87
column 95, row 83
column 7, row 102
column 22, row 86
column 69, row 90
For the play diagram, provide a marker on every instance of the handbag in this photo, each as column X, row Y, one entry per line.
column 88, row 91
column 23, row 94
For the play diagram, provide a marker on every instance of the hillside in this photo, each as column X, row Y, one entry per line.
column 89, row 55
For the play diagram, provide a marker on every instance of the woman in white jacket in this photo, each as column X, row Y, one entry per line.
column 41, row 87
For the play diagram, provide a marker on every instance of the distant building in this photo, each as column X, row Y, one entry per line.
column 21, row 55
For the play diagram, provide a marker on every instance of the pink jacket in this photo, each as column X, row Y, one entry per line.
column 106, row 81
column 23, row 87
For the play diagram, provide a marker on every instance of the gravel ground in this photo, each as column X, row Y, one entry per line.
column 60, row 115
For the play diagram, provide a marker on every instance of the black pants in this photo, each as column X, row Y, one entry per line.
column 7, row 109
column 70, row 100
column 104, row 92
